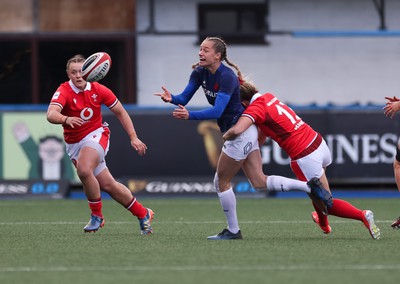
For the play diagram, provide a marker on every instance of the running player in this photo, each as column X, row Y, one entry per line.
column 306, row 148
column 221, row 87
column 76, row 105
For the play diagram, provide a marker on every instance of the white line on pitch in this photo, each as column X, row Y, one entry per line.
column 183, row 222
column 202, row 268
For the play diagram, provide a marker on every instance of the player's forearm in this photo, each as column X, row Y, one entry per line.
column 230, row 134
column 127, row 124
column 55, row 117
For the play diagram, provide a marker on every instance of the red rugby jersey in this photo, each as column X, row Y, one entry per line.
column 84, row 104
column 280, row 122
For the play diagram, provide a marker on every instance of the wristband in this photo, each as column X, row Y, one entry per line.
column 65, row 121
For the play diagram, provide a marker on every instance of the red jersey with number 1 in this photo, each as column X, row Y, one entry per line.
column 280, row 122
column 84, row 104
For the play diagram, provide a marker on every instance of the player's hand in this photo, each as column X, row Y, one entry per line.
column 139, row 146
column 165, row 96
column 181, row 112
column 73, row 121
column 394, row 99
column 391, row 108
column 228, row 136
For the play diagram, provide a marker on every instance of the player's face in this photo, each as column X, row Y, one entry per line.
column 207, row 55
column 75, row 74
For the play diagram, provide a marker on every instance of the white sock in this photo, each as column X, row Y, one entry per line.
column 228, row 203
column 279, row 183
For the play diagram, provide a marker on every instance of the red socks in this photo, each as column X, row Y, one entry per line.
column 341, row 209
column 96, row 205
column 344, row 209
column 136, row 208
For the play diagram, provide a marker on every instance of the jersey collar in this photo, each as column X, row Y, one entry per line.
column 255, row 96
column 76, row 90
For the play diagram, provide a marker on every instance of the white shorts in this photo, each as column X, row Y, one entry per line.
column 243, row 145
column 98, row 140
column 313, row 164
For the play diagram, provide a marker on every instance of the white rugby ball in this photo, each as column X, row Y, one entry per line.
column 96, row 66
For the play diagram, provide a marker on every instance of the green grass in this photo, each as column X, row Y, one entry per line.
column 42, row 241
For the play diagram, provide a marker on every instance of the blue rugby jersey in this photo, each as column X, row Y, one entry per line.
column 222, row 92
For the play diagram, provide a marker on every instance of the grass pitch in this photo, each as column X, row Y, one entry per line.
column 42, row 241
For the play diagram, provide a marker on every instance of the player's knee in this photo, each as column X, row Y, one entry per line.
column 83, row 172
column 221, row 185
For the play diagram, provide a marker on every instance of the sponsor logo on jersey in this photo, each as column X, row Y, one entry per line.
column 86, row 113
column 210, row 93
column 56, row 95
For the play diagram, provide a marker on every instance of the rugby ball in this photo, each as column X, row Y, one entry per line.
column 96, row 66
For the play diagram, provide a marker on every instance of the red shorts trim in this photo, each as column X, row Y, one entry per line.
column 314, row 146
column 104, row 140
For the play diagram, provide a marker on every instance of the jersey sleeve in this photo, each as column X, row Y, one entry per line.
column 256, row 111
column 109, row 99
column 59, row 97
column 185, row 96
column 213, row 112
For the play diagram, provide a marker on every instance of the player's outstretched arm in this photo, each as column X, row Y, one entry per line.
column 165, row 96
column 127, row 124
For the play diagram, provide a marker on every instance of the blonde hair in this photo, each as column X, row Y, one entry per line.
column 221, row 47
column 75, row 59
column 247, row 90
